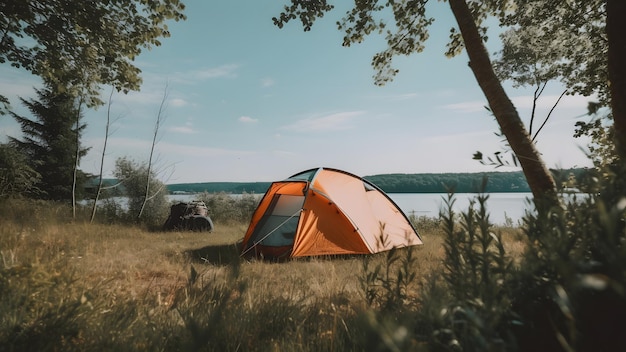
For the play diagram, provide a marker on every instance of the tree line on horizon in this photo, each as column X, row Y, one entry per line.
column 512, row 181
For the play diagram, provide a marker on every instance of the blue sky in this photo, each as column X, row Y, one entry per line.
column 247, row 101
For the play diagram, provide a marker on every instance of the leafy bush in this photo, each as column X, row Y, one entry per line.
column 17, row 178
column 225, row 208
column 110, row 211
column 466, row 307
column 147, row 203
column 33, row 213
column 425, row 224
column 386, row 285
column 567, row 292
column 571, row 287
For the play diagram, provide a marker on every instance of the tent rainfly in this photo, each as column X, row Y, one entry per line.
column 325, row 211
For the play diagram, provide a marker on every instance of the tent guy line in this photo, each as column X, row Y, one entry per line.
column 269, row 233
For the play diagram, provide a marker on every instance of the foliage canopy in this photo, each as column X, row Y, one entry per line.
column 51, row 140
column 563, row 40
column 80, row 45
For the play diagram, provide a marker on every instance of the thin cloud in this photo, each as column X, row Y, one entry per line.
column 203, row 74
column 150, row 95
column 178, row 102
column 247, row 119
column 143, row 97
column 129, row 144
column 136, row 149
column 467, row 107
column 407, row 96
column 228, row 70
column 548, row 101
column 526, row 102
column 15, row 84
column 267, row 82
column 397, row 97
column 333, row 122
column 190, row 151
column 284, row 153
column 183, row 130
column 24, row 89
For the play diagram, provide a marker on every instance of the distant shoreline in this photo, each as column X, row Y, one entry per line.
column 485, row 182
column 182, row 193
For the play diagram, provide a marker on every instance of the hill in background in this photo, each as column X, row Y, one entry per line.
column 405, row 183
column 217, row 187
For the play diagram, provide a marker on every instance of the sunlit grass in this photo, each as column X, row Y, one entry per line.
column 76, row 285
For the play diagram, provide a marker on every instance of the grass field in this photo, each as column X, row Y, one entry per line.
column 71, row 285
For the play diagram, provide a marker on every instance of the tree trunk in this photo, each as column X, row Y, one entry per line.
column 104, row 150
column 76, row 158
column 157, row 126
column 537, row 175
column 615, row 30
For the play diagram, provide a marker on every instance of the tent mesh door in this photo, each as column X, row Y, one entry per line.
column 278, row 226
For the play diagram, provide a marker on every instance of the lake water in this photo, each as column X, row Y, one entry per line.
column 500, row 205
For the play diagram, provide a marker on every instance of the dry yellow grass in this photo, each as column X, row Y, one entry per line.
column 135, row 277
column 124, row 260
column 131, row 260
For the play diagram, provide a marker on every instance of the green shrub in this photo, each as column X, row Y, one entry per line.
column 386, row 285
column 571, row 287
column 425, row 224
column 467, row 306
column 226, row 208
column 34, row 213
column 567, row 292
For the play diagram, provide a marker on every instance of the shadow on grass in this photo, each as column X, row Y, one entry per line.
column 224, row 254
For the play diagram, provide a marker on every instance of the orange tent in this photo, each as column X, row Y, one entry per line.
column 326, row 211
